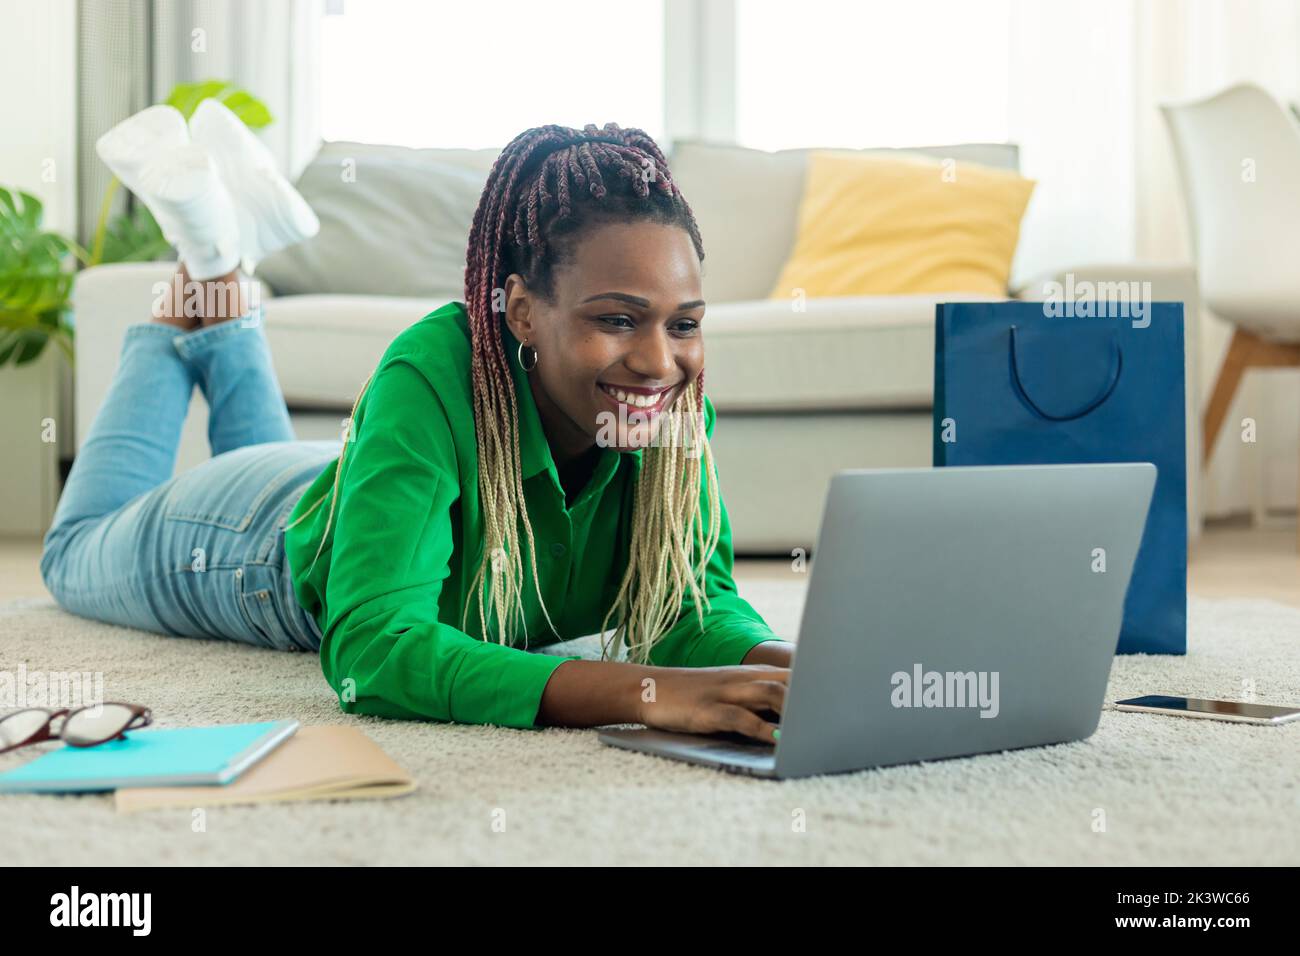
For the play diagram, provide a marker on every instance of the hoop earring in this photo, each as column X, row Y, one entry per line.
column 527, row 368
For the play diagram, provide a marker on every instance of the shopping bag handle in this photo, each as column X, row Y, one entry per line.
column 1117, row 366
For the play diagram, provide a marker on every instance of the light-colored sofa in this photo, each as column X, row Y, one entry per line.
column 801, row 394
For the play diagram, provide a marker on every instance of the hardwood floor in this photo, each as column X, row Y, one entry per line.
column 20, row 572
column 1230, row 560
column 1236, row 560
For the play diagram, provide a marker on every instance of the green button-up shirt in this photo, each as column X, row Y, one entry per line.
column 391, row 580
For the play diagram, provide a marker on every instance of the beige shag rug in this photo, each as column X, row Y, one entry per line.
column 1172, row 790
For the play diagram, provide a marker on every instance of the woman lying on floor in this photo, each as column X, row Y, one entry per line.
column 528, row 465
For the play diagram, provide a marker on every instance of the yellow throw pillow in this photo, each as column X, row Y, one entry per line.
column 891, row 225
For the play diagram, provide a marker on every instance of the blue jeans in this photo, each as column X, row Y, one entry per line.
column 200, row 554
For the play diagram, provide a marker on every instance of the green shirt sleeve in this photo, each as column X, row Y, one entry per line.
column 384, row 650
column 731, row 625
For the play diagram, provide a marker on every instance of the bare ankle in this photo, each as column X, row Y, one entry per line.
column 190, row 304
column 169, row 308
column 224, row 298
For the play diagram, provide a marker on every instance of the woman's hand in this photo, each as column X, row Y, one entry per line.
column 709, row 700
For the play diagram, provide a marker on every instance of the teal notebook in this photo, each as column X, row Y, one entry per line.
column 180, row 757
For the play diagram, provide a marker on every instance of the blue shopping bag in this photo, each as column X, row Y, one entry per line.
column 1017, row 383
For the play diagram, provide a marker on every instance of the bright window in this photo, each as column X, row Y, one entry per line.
column 871, row 73
column 477, row 74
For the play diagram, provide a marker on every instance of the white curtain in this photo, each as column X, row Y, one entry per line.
column 270, row 49
column 1069, row 103
column 1188, row 50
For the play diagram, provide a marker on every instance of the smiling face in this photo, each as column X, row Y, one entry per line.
column 625, row 317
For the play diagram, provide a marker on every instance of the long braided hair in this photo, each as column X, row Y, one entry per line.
column 547, row 188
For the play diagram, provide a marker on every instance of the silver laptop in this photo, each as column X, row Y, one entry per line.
column 950, row 612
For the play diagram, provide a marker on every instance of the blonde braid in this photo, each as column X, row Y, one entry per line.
column 665, row 513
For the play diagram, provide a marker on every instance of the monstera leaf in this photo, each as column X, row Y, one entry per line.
column 35, row 282
column 134, row 237
column 186, row 97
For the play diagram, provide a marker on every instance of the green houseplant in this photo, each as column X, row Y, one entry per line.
column 34, row 283
column 38, row 267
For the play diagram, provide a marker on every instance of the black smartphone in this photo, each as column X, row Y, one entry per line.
column 1214, row 709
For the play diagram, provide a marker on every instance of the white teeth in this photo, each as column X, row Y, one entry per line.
column 639, row 401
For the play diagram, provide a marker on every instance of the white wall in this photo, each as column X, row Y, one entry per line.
column 37, row 155
column 38, row 114
column 1071, row 111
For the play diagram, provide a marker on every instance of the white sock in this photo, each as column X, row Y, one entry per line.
column 130, row 145
column 271, row 213
column 181, row 187
column 151, row 153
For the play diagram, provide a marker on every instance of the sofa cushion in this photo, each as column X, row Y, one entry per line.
column 869, row 352
column 893, row 225
column 324, row 347
column 746, row 203
column 393, row 220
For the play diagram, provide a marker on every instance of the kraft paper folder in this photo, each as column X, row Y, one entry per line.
column 331, row 762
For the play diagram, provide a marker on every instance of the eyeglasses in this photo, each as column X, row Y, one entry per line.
column 83, row 727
